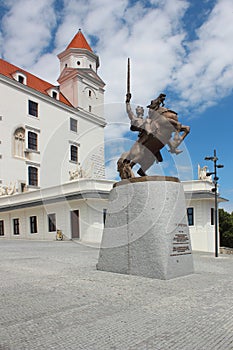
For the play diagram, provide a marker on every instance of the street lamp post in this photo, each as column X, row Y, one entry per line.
column 215, row 159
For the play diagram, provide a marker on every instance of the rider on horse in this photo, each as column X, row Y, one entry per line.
column 155, row 132
column 150, row 125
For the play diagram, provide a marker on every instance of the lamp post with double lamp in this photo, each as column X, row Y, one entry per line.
column 216, row 178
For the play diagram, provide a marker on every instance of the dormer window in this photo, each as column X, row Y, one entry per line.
column 54, row 94
column 21, row 79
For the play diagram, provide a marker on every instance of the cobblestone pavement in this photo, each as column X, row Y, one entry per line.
column 52, row 297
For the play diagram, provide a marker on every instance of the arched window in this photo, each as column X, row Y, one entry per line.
column 21, row 77
column 19, row 142
column 91, row 93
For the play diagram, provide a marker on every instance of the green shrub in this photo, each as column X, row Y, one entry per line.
column 226, row 228
column 226, row 239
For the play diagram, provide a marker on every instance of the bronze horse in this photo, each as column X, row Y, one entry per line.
column 154, row 133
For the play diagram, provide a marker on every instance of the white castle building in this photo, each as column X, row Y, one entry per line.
column 200, row 202
column 52, row 155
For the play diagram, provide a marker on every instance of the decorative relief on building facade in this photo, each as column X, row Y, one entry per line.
column 19, row 143
column 7, row 190
column 80, row 172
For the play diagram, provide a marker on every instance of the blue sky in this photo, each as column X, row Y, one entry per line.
column 181, row 47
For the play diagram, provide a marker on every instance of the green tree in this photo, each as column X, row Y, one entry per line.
column 226, row 228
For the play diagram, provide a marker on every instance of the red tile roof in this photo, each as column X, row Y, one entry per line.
column 33, row 82
column 79, row 42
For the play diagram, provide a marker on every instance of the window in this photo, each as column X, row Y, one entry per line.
column 212, row 216
column 1, row 228
column 73, row 125
column 89, row 93
column 21, row 79
column 78, row 63
column 32, row 140
column 89, row 108
column 74, row 153
column 33, row 108
column 33, row 224
column 19, row 142
column 104, row 215
column 32, row 176
column 22, row 187
column 52, row 222
column 16, row 226
column 190, row 214
column 54, row 94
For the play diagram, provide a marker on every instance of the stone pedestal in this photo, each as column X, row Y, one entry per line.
column 146, row 231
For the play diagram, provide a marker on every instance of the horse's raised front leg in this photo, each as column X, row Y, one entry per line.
column 186, row 131
column 178, row 138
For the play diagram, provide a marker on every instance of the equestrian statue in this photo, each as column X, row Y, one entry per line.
column 161, row 127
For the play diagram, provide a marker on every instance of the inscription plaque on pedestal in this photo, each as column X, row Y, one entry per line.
column 181, row 241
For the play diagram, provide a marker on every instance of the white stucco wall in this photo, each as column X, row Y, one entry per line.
column 54, row 137
column 200, row 197
column 202, row 232
column 56, row 200
column 70, row 57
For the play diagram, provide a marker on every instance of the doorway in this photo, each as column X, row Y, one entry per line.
column 74, row 217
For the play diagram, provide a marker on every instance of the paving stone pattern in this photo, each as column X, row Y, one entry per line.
column 52, row 297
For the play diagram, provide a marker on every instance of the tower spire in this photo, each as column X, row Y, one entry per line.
column 79, row 42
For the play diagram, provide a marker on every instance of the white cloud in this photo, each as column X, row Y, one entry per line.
column 153, row 36
column 47, row 60
column 206, row 74
column 27, row 30
column 111, row 169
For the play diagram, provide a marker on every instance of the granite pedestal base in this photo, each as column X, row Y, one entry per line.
column 146, row 231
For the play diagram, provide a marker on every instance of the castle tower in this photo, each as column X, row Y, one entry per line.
column 78, row 79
